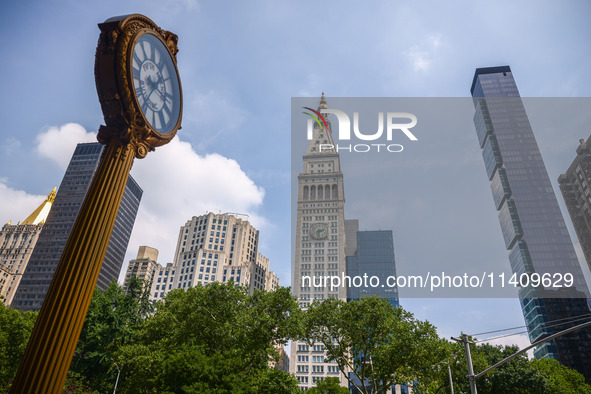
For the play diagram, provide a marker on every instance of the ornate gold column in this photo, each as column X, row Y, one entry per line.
column 140, row 93
column 50, row 350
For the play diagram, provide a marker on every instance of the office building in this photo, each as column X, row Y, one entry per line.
column 144, row 267
column 373, row 257
column 213, row 248
column 17, row 242
column 533, row 228
column 319, row 245
column 283, row 363
column 575, row 185
column 370, row 254
column 46, row 255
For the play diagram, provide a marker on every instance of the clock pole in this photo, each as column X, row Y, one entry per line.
column 128, row 135
column 49, row 352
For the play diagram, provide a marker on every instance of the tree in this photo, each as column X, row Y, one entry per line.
column 561, row 379
column 518, row 376
column 15, row 330
column 215, row 338
column 381, row 345
column 74, row 384
column 111, row 321
column 329, row 386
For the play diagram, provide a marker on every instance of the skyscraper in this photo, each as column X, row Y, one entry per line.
column 17, row 242
column 374, row 257
column 143, row 267
column 575, row 185
column 55, row 233
column 533, row 228
column 370, row 254
column 319, row 244
column 211, row 248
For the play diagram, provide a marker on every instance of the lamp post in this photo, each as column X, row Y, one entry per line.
column 117, row 381
column 451, row 383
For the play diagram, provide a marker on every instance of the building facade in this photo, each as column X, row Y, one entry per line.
column 46, row 255
column 371, row 254
column 374, row 257
column 144, row 267
column 283, row 363
column 533, row 227
column 575, row 185
column 213, row 248
column 320, row 243
column 17, row 243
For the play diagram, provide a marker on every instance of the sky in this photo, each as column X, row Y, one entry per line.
column 240, row 65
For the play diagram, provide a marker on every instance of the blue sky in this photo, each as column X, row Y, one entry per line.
column 240, row 64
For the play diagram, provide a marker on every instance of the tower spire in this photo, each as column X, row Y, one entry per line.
column 39, row 215
column 321, row 142
column 322, row 104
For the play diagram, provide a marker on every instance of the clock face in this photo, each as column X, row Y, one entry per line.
column 319, row 231
column 156, row 83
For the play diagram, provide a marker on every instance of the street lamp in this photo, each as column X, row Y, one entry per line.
column 119, row 371
column 451, row 383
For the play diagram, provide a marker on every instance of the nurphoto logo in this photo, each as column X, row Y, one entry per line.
column 394, row 121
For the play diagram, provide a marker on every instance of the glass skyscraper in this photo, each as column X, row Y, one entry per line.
column 533, row 227
column 52, row 240
column 374, row 257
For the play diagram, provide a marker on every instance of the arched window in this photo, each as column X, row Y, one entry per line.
column 306, row 192
column 320, row 192
column 335, row 192
column 313, row 193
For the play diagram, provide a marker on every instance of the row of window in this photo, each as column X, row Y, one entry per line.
column 306, row 348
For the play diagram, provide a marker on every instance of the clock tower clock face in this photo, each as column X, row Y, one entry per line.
column 319, row 231
column 156, row 83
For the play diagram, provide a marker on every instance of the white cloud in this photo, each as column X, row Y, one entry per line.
column 58, row 143
column 16, row 205
column 422, row 56
column 177, row 182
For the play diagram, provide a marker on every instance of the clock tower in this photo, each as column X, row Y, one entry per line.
column 319, row 243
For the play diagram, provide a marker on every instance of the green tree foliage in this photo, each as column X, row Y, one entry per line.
column 220, row 339
column 518, row 376
column 329, row 386
column 383, row 346
column 74, row 384
column 215, row 339
column 15, row 330
column 111, row 321
column 561, row 379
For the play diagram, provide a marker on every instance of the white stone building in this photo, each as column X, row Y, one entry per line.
column 215, row 248
column 17, row 242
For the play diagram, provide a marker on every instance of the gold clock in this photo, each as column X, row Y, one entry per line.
column 138, row 83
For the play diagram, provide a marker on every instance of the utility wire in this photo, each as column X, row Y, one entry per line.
column 575, row 319
column 515, row 328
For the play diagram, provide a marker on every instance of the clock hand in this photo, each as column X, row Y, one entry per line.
column 161, row 94
column 155, row 86
column 150, row 84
